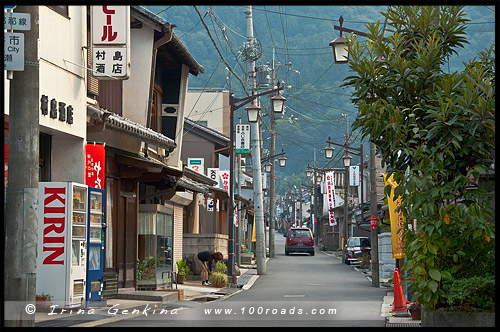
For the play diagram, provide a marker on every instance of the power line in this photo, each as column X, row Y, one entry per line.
column 220, row 54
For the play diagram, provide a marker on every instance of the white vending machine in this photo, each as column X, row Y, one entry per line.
column 62, row 242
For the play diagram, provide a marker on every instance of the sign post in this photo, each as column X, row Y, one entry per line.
column 242, row 138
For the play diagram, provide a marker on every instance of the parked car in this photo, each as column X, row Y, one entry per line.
column 355, row 248
column 299, row 239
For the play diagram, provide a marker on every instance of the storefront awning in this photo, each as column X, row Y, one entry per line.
column 192, row 185
column 105, row 119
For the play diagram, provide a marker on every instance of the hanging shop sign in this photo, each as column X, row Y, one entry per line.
column 111, row 42
column 225, row 177
column 196, row 164
column 330, row 191
column 94, row 165
column 213, row 173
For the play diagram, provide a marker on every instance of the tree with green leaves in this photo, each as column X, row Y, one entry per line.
column 436, row 133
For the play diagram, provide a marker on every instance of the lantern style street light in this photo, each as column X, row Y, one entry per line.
column 267, row 167
column 339, row 45
column 278, row 102
column 329, row 151
column 346, row 159
column 282, row 161
column 252, row 113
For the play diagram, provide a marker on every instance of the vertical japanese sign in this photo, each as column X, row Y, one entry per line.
column 354, row 176
column 397, row 220
column 242, row 138
column 225, row 177
column 111, row 42
column 235, row 221
column 94, row 165
column 330, row 192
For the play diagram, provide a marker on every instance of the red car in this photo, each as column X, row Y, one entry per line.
column 299, row 239
column 355, row 248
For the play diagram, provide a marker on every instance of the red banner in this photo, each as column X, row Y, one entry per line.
column 94, row 165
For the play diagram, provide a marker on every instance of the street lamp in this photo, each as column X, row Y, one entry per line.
column 267, row 167
column 282, row 161
column 278, row 101
column 346, row 159
column 252, row 113
column 347, row 163
column 329, row 151
column 337, row 45
column 308, row 171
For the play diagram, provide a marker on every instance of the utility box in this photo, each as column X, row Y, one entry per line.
column 263, row 76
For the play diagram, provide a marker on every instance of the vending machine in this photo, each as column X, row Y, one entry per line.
column 62, row 242
column 95, row 244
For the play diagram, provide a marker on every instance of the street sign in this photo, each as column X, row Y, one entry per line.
column 9, row 7
column 242, row 138
column 354, row 176
column 16, row 21
column 13, row 58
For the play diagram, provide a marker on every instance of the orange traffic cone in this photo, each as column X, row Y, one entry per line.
column 400, row 302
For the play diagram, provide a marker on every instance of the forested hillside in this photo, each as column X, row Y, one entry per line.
column 300, row 36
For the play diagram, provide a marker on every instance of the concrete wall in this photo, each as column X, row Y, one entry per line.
column 195, row 243
column 210, row 106
column 387, row 264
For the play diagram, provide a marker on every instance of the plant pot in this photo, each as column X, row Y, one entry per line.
column 180, row 279
column 416, row 314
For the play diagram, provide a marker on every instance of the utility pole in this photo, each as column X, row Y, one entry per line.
column 316, row 200
column 21, row 217
column 260, row 249
column 373, row 218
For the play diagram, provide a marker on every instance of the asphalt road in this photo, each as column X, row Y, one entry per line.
column 298, row 290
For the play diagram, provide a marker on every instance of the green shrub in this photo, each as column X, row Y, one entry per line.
column 221, row 267
column 471, row 294
column 182, row 268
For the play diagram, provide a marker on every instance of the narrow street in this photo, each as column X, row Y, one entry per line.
column 298, row 290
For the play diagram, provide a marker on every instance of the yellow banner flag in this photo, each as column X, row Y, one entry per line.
column 397, row 220
column 254, row 239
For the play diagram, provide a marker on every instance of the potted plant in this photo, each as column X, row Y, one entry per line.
column 219, row 277
column 415, row 310
column 182, row 270
column 42, row 298
column 43, row 302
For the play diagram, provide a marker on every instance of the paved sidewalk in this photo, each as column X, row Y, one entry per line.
column 130, row 300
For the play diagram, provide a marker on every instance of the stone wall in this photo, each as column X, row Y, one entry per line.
column 194, row 243
column 387, row 264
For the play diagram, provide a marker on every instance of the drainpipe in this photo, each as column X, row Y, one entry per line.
column 216, row 151
column 167, row 37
